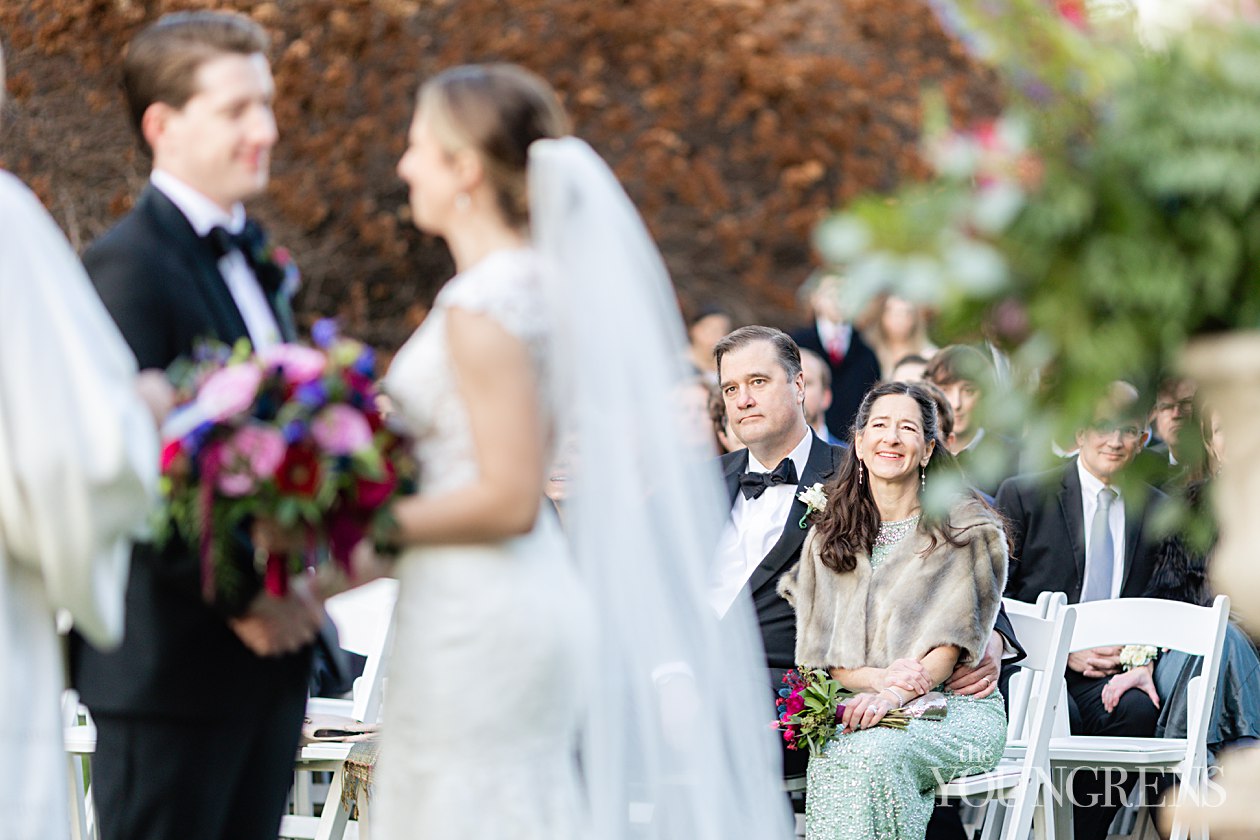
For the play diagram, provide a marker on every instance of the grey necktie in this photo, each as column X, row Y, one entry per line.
column 1100, row 559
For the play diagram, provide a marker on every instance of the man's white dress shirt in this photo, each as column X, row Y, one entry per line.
column 1090, row 488
column 754, row 527
column 204, row 215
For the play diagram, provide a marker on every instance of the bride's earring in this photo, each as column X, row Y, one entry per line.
column 861, row 473
column 463, row 201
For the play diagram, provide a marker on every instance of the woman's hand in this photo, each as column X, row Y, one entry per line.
column 908, row 677
column 1139, row 678
column 862, row 711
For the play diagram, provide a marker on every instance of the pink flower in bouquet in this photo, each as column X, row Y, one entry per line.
column 341, row 430
column 251, row 455
column 230, row 391
column 299, row 364
column 795, row 703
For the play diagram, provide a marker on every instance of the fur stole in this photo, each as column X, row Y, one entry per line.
column 916, row 600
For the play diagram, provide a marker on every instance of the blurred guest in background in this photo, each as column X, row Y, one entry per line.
column 817, row 395
column 965, row 374
column 898, row 330
column 705, row 329
column 908, row 369
column 853, row 365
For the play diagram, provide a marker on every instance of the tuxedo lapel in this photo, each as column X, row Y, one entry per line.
column 737, row 465
column 818, row 468
column 1072, row 508
column 202, row 262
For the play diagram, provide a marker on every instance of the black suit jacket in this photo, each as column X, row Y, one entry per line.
column 856, row 374
column 775, row 616
column 1047, row 528
column 178, row 657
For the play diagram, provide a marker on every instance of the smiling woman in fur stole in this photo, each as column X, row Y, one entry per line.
column 889, row 599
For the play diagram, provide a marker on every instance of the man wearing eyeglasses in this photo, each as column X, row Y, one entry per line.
column 1162, row 462
column 1078, row 530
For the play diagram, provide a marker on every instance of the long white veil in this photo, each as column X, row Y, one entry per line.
column 678, row 741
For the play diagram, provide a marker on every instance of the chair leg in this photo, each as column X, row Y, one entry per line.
column 994, row 819
column 334, row 818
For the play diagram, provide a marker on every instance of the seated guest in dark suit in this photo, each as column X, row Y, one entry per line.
column 1074, row 530
column 1163, row 462
column 853, row 365
column 966, row 376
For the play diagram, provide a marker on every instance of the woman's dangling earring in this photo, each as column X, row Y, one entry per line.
column 463, row 201
column 922, row 477
column 861, row 475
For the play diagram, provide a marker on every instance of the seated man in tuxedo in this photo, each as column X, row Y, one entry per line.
column 759, row 373
column 851, row 363
column 1076, row 530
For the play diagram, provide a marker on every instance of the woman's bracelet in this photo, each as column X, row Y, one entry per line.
column 900, row 700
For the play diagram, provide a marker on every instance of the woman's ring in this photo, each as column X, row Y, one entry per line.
column 987, row 680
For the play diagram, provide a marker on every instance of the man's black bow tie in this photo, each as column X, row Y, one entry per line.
column 752, row 485
column 252, row 243
column 249, row 241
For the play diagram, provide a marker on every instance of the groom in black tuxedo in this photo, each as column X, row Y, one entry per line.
column 759, row 372
column 198, row 712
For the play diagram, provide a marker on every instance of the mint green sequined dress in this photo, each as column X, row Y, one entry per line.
column 877, row 784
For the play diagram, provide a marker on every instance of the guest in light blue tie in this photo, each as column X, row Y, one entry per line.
column 1079, row 529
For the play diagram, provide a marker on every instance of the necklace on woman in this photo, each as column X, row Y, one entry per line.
column 891, row 533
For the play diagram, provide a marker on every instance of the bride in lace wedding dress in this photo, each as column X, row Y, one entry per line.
column 523, row 653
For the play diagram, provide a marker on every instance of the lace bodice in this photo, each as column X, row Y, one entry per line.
column 421, row 381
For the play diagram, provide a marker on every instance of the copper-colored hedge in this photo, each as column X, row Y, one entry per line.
column 733, row 123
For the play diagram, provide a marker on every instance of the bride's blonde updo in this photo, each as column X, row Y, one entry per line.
column 497, row 110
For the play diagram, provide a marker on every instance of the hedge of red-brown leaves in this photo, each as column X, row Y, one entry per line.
column 733, row 123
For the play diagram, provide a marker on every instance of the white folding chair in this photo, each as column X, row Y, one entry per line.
column 1199, row 631
column 364, row 619
column 1019, row 789
column 79, row 735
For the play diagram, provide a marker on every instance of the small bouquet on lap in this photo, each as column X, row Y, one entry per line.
column 286, row 449
column 811, row 706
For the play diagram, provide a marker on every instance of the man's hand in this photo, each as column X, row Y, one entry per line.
column 1096, row 662
column 981, row 679
column 1139, row 678
column 276, row 626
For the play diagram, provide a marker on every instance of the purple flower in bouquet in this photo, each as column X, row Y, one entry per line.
column 299, row 364
column 312, row 395
column 252, row 454
column 293, row 431
column 341, row 430
column 324, row 332
column 366, row 363
column 229, row 391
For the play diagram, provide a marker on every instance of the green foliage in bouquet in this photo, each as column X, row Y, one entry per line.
column 1109, row 216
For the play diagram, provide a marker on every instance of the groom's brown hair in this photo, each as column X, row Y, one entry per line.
column 161, row 62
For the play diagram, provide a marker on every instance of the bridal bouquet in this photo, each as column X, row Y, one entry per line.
column 292, row 436
column 811, row 704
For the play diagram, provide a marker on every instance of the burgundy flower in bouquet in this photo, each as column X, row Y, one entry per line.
column 292, row 436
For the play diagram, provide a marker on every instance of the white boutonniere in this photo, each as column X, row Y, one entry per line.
column 815, row 499
column 1135, row 656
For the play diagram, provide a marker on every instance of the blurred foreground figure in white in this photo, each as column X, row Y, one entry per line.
column 78, row 467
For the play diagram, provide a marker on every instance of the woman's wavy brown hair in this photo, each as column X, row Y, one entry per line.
column 850, row 523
